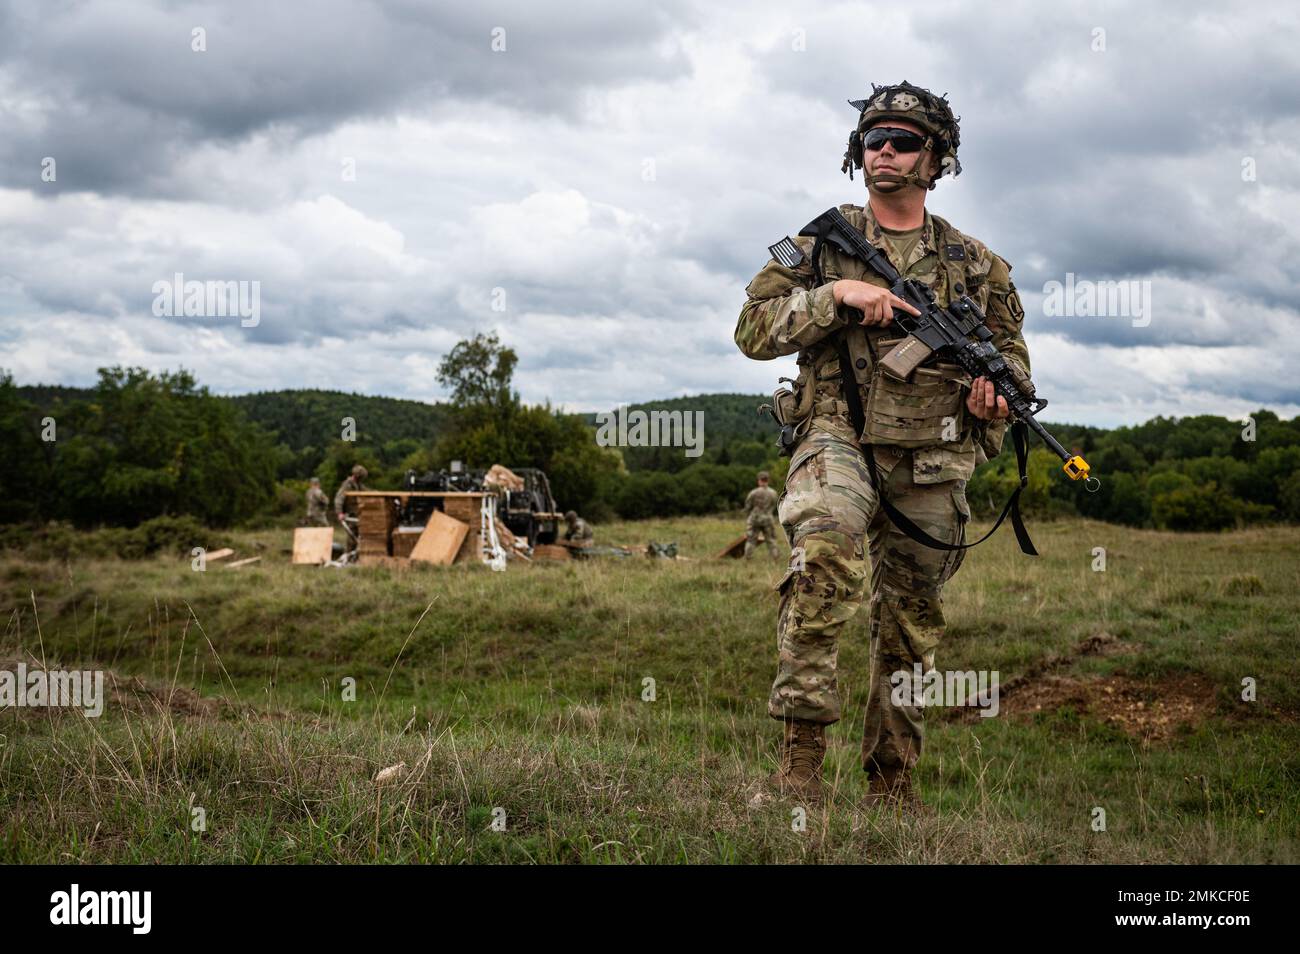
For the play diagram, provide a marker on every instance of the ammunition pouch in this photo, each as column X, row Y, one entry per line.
column 926, row 410
column 792, row 408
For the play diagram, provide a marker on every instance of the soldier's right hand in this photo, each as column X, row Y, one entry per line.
column 877, row 304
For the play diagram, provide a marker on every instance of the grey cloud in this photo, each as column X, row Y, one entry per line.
column 1120, row 165
column 1075, row 154
column 132, row 97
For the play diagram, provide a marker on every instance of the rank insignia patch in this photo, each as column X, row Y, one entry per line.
column 955, row 253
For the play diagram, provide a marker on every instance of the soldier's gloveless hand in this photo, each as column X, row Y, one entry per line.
column 877, row 304
column 980, row 401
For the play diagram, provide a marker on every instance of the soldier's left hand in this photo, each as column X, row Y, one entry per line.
column 985, row 403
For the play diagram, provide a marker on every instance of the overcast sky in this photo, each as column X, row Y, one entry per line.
column 601, row 190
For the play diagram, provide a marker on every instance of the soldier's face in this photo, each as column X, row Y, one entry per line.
column 886, row 161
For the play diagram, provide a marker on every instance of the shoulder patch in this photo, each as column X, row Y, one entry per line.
column 787, row 253
column 1014, row 307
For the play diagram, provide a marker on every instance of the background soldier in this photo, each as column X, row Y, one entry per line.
column 760, row 517
column 925, row 435
column 317, row 505
column 579, row 532
column 347, row 508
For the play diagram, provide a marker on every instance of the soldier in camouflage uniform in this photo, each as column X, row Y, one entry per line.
column 926, row 433
column 760, row 518
column 347, row 508
column 579, row 532
column 317, row 505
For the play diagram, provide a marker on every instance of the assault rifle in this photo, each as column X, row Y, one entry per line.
column 957, row 333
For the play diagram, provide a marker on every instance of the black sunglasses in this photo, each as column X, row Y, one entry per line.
column 901, row 139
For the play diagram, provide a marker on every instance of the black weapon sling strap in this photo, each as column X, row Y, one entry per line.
column 853, row 398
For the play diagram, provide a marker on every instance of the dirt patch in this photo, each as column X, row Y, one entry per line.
column 131, row 693
column 1149, row 710
column 1099, row 644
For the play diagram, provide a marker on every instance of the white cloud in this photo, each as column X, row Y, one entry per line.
column 529, row 173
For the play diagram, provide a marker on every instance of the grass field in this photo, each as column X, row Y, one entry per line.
column 516, row 698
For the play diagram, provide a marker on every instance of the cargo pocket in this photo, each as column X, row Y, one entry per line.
column 962, row 508
column 925, row 410
column 804, row 496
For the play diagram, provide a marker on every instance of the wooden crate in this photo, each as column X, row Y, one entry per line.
column 471, row 548
column 551, row 551
column 376, row 517
column 404, row 540
column 465, row 509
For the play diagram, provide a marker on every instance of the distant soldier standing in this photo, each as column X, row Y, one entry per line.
column 760, row 517
column 317, row 505
column 579, row 532
column 923, row 435
column 345, row 508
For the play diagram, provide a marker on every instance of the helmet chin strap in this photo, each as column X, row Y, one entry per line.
column 897, row 181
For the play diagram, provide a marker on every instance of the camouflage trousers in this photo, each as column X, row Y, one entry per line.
column 830, row 514
column 765, row 524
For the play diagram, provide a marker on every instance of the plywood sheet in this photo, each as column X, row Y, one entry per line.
column 313, row 544
column 441, row 540
column 736, row 548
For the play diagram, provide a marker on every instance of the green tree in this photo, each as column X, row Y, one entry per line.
column 1289, row 495
column 25, row 480
column 1194, row 507
column 478, row 371
column 145, row 446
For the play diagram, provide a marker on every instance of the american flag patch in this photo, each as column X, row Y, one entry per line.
column 786, row 252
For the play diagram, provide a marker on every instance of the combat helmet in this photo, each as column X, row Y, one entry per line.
column 914, row 104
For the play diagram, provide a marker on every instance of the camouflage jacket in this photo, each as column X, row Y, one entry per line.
column 761, row 500
column 788, row 313
column 579, row 530
column 317, row 502
column 341, row 502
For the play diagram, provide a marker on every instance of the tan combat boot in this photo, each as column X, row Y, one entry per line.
column 891, row 787
column 803, row 749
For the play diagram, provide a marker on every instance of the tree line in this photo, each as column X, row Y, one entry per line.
column 139, row 446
